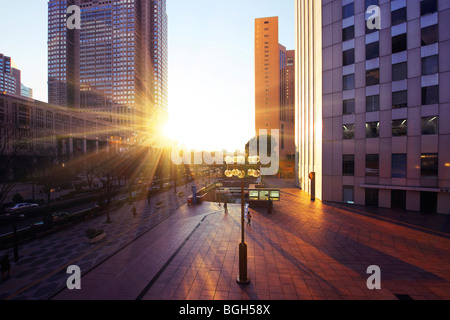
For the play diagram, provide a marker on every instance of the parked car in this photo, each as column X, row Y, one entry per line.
column 99, row 205
column 154, row 188
column 56, row 216
column 167, row 186
column 60, row 215
column 21, row 207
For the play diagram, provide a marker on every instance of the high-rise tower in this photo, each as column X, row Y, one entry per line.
column 274, row 86
column 63, row 80
column 372, row 103
column 115, row 64
column 9, row 76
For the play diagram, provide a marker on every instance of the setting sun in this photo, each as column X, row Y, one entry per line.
column 195, row 132
column 169, row 131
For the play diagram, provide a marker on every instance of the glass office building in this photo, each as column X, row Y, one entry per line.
column 119, row 62
column 62, row 64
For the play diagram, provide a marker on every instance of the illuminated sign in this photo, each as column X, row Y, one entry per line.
column 253, row 195
column 264, row 195
column 275, row 195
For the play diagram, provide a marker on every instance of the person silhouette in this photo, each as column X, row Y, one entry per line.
column 5, row 266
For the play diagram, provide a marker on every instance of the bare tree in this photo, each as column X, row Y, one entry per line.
column 10, row 148
column 88, row 170
column 106, row 172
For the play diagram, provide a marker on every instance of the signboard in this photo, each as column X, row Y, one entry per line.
column 253, row 195
column 275, row 195
column 264, row 195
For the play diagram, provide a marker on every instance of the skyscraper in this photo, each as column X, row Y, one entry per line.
column 116, row 63
column 290, row 86
column 372, row 104
column 273, row 86
column 63, row 75
column 9, row 76
column 159, row 53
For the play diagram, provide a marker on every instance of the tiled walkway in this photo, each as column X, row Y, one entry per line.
column 303, row 250
column 43, row 262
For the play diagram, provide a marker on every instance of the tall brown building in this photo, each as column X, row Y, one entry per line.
column 287, row 121
column 274, row 88
column 290, row 86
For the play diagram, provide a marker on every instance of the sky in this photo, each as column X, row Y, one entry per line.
column 211, row 62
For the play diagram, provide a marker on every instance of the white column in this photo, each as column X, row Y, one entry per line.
column 84, row 146
column 70, row 142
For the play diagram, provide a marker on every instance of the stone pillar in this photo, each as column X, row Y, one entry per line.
column 55, row 147
column 443, row 203
column 70, row 146
column 384, row 198
column 413, row 200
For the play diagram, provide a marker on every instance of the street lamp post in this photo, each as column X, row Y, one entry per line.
column 242, row 278
column 241, row 174
column 15, row 235
column 16, row 247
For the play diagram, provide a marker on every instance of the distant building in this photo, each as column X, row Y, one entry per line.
column 26, row 92
column 274, row 88
column 372, row 105
column 9, row 77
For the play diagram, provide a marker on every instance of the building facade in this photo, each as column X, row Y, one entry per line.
column 48, row 131
column 115, row 63
column 373, row 103
column 274, row 88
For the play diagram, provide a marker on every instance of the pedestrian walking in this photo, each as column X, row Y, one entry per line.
column 5, row 267
column 249, row 218
column 134, row 211
column 225, row 205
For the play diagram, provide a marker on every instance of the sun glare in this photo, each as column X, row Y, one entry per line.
column 190, row 134
column 169, row 131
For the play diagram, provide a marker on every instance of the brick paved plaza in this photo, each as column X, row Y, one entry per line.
column 303, row 250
